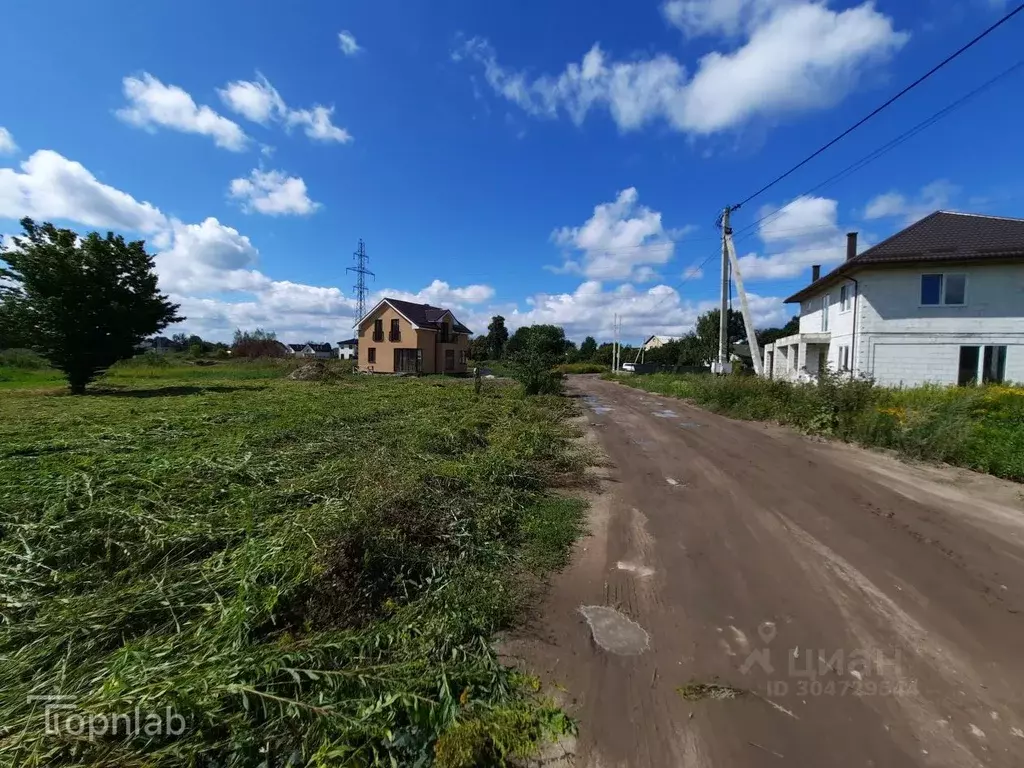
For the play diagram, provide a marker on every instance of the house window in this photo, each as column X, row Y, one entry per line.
column 378, row 330
column 445, row 334
column 968, row 369
column 462, row 356
column 994, row 369
column 845, row 297
column 396, row 331
column 371, row 355
column 939, row 289
column 826, row 302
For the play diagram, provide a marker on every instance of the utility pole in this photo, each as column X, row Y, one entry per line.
column 748, row 319
column 722, row 364
column 361, row 272
column 615, row 342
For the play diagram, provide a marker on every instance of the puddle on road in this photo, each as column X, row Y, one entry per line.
column 666, row 414
column 595, row 405
column 615, row 632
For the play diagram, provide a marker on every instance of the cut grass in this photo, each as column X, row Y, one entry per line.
column 310, row 573
column 981, row 428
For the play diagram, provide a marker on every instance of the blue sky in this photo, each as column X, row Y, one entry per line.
column 554, row 162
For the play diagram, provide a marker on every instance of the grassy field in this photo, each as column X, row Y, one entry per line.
column 977, row 427
column 310, row 573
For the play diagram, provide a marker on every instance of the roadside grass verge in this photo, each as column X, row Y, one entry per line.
column 981, row 428
column 581, row 368
column 309, row 573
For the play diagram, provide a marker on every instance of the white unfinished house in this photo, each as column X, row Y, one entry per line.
column 941, row 302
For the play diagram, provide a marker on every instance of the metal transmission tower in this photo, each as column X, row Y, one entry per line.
column 361, row 272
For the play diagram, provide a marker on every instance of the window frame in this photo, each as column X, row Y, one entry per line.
column 993, row 354
column 395, row 330
column 942, row 289
column 826, row 305
column 371, row 355
column 378, row 329
column 847, row 294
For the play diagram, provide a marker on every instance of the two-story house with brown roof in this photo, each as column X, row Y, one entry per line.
column 941, row 302
column 404, row 337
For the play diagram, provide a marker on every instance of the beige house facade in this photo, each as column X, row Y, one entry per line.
column 404, row 337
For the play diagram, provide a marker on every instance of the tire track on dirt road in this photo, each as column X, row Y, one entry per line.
column 805, row 604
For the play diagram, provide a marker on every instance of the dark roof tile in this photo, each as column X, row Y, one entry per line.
column 941, row 236
column 426, row 316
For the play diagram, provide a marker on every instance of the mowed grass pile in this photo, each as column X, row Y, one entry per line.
column 977, row 427
column 310, row 573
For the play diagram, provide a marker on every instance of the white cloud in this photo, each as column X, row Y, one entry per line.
column 50, row 186
column 255, row 100
column 709, row 17
column 7, row 145
column 932, row 197
column 660, row 310
column 273, row 193
column 259, row 101
column 152, row 104
column 347, row 43
column 618, row 242
column 883, row 206
column 440, row 294
column 317, row 124
column 804, row 232
column 802, row 56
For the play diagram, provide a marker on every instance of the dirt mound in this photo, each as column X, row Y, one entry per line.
column 314, row 371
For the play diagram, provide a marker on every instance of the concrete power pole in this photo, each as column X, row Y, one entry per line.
column 748, row 319
column 722, row 363
column 615, row 342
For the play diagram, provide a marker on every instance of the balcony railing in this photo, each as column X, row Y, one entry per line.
column 395, row 336
column 378, row 335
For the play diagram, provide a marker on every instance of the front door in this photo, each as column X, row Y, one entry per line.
column 449, row 359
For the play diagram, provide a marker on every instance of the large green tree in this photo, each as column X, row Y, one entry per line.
column 588, row 349
column 82, row 303
column 479, row 348
column 497, row 337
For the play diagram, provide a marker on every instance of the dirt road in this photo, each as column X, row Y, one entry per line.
column 748, row 597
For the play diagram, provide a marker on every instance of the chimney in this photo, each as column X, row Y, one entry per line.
column 851, row 245
column 815, row 272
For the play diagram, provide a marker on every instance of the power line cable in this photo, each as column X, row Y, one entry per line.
column 692, row 272
column 888, row 147
column 888, row 103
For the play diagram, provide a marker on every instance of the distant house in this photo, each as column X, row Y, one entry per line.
column 658, row 341
column 318, row 351
column 348, row 349
column 157, row 344
column 404, row 337
column 941, row 302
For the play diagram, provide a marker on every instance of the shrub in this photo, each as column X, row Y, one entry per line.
column 581, row 368
column 23, row 359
